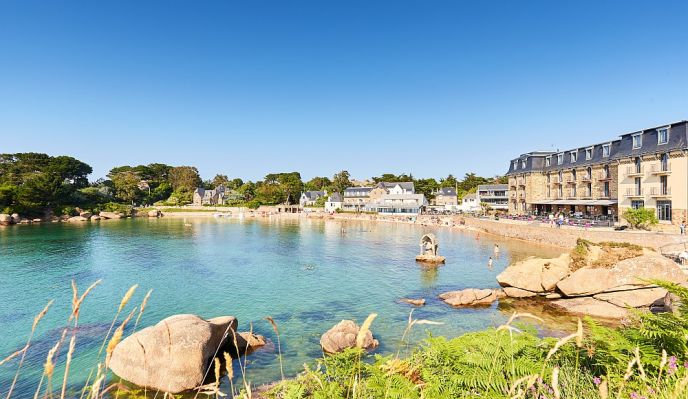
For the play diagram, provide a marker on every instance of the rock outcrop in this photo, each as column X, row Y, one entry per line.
column 343, row 336
column 414, row 302
column 628, row 273
column 589, row 306
column 110, row 215
column 77, row 219
column 535, row 274
column 154, row 213
column 471, row 297
column 5, row 219
column 85, row 214
column 173, row 355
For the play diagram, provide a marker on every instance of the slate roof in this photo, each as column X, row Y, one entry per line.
column 351, row 191
column 620, row 148
column 406, row 185
column 493, row 187
column 447, row 191
column 336, row 197
column 313, row 195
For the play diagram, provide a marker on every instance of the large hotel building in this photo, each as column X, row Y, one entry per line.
column 647, row 168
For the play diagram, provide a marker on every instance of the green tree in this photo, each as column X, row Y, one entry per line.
column 426, row 187
column 220, row 180
column 317, row 184
column 449, row 181
column 185, row 178
column 235, row 184
column 340, row 181
column 248, row 190
column 126, row 185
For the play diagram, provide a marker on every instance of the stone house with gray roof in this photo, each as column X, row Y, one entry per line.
column 215, row 196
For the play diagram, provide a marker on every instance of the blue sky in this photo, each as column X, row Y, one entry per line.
column 248, row 88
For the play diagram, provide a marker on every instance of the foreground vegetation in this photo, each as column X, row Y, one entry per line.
column 647, row 358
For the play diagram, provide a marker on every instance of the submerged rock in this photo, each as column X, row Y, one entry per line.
column 77, row 219
column 343, row 336
column 414, row 302
column 589, row 306
column 471, row 297
column 173, row 355
column 154, row 213
column 513, row 292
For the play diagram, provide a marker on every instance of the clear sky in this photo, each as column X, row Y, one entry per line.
column 252, row 87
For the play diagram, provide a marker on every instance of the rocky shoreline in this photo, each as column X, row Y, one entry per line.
column 605, row 280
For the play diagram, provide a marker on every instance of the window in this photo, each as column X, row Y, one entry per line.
column 605, row 150
column 588, row 192
column 606, row 172
column 589, row 173
column 523, row 164
column 663, row 135
column 637, row 140
column 573, row 174
column 663, row 185
column 548, row 161
column 588, row 153
column 637, row 165
column 549, row 178
column 638, row 204
column 561, row 176
column 605, row 189
column 638, row 186
column 560, row 159
column 573, row 191
column 549, row 192
column 561, row 191
column 574, row 157
column 664, row 210
column 515, row 165
column 665, row 163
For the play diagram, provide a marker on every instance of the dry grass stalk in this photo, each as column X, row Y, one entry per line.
column 662, row 363
column 70, row 352
column 578, row 336
column 116, row 338
column 604, row 391
column 279, row 345
column 143, row 307
column 15, row 354
column 360, row 338
column 127, row 297
column 23, row 351
column 229, row 368
column 529, row 380
column 555, row 383
column 639, row 363
column 77, row 302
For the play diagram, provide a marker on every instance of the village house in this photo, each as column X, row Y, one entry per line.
column 355, row 198
column 470, row 203
column 496, row 196
column 216, row 196
column 399, row 204
column 446, row 197
column 647, row 168
column 308, row 198
column 334, row 202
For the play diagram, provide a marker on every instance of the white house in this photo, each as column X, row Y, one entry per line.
column 334, row 202
column 308, row 198
column 470, row 203
column 398, row 204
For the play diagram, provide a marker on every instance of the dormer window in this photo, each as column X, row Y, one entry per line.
column 637, row 140
column 588, row 153
column 560, row 159
column 523, row 164
column 515, row 165
column 663, row 135
column 605, row 150
column 574, row 156
column 548, row 161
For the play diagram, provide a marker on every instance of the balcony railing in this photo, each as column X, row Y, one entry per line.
column 660, row 169
column 605, row 176
column 633, row 171
column 635, row 192
column 556, row 180
column 586, row 178
column 571, row 180
column 660, row 191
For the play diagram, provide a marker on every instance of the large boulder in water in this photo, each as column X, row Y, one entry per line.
column 5, row 219
column 627, row 274
column 343, row 336
column 535, row 274
column 110, row 215
column 173, row 355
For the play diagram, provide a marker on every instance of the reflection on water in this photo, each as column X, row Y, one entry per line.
column 308, row 275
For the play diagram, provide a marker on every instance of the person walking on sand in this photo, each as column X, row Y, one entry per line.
column 682, row 227
column 489, row 263
column 561, row 220
column 496, row 248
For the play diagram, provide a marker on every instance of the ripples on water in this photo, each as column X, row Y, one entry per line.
column 308, row 275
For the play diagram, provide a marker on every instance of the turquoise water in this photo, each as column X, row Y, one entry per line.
column 306, row 274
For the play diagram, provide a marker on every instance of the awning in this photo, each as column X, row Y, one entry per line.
column 576, row 202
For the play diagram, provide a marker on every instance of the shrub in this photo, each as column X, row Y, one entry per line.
column 641, row 218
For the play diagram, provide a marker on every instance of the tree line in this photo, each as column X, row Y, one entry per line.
column 33, row 184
